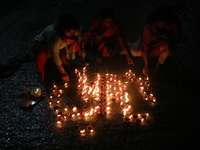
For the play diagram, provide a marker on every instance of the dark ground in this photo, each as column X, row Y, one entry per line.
column 174, row 120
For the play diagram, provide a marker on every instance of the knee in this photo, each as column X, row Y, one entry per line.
column 163, row 57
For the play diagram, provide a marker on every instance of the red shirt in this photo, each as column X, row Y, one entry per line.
column 173, row 31
column 97, row 27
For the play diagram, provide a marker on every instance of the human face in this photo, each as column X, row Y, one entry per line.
column 69, row 32
column 107, row 22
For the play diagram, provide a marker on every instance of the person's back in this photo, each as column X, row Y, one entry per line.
column 46, row 34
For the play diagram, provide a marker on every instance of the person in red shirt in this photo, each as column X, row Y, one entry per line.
column 58, row 40
column 103, row 34
column 161, row 33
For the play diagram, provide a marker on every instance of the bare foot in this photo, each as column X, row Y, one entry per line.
column 65, row 78
column 99, row 59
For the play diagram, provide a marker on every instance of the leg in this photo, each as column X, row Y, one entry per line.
column 41, row 53
column 161, row 60
column 105, row 51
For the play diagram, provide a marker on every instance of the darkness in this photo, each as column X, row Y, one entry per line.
column 173, row 119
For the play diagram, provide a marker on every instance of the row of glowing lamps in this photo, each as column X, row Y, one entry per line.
column 105, row 90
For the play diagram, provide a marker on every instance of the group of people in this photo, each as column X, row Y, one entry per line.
column 63, row 40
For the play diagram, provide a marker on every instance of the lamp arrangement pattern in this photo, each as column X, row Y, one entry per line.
column 98, row 96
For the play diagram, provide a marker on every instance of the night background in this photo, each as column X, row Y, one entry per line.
column 174, row 118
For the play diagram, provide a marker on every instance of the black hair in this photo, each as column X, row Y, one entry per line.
column 106, row 12
column 162, row 13
column 67, row 21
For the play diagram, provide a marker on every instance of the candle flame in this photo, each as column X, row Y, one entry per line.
column 74, row 108
column 82, row 131
column 58, row 122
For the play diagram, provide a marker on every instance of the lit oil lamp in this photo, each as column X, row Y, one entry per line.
column 97, row 109
column 151, row 94
column 81, row 129
column 141, row 89
column 146, row 97
column 138, row 121
column 65, row 84
column 107, row 75
column 84, row 69
column 74, row 108
column 150, row 88
column 135, row 116
column 54, row 84
column 91, row 112
column 56, row 109
column 59, row 113
column 65, row 108
column 50, row 102
column 128, row 119
column 144, row 115
column 124, row 88
column 60, row 91
column 76, row 71
column 104, row 113
column 85, row 108
column 73, row 115
column 153, row 99
column 53, row 90
column 58, row 100
column 52, row 96
column 66, row 115
column 124, row 112
column 139, row 79
column 87, row 100
column 78, row 114
column 59, row 95
column 146, row 78
column 90, row 129
column 59, row 121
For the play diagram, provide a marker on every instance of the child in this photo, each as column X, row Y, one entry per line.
column 103, row 34
column 58, row 40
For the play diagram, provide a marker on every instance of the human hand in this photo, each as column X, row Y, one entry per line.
column 66, row 62
column 130, row 61
column 65, row 77
column 63, row 73
column 145, row 70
